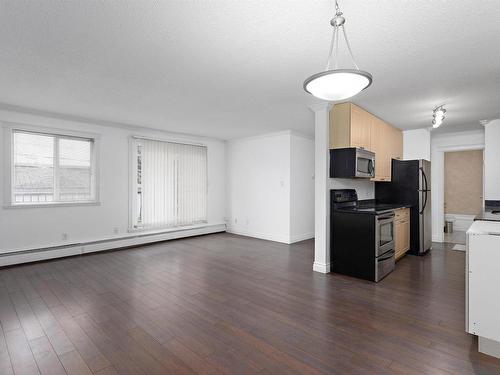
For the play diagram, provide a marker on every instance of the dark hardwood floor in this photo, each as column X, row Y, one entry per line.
column 229, row 304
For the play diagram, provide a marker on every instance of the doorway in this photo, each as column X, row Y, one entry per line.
column 463, row 193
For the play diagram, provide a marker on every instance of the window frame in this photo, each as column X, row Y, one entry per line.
column 8, row 172
column 133, row 139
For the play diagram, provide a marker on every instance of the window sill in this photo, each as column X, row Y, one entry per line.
column 52, row 204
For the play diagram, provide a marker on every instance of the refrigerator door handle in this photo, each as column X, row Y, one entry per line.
column 424, row 190
column 425, row 202
column 425, row 179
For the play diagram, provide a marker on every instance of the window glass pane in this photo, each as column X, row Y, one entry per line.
column 75, row 169
column 33, row 179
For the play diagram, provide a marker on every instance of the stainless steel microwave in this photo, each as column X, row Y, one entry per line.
column 352, row 162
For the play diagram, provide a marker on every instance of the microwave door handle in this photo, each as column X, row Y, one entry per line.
column 371, row 167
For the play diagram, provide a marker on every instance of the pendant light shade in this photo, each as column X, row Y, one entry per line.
column 337, row 84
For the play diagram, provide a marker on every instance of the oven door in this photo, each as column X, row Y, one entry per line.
column 365, row 164
column 384, row 233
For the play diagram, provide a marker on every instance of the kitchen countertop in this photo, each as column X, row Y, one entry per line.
column 484, row 227
column 490, row 213
column 372, row 207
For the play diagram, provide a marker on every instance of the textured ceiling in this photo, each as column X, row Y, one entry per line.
column 235, row 68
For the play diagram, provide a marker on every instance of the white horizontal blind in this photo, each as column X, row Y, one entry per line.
column 170, row 184
column 51, row 168
column 75, row 170
column 33, row 168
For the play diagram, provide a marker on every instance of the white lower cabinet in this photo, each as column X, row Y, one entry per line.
column 483, row 285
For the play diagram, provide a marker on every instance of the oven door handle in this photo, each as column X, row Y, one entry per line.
column 387, row 255
column 385, row 217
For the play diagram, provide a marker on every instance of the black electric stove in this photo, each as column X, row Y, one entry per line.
column 362, row 236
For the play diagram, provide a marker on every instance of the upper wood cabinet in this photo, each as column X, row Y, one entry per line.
column 380, row 145
column 352, row 126
column 396, row 143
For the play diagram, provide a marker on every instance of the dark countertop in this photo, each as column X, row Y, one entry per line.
column 371, row 207
column 490, row 213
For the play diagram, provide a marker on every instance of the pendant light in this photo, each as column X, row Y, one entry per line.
column 337, row 84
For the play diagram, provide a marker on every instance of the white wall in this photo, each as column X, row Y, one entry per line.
column 441, row 143
column 417, row 144
column 301, row 188
column 261, row 202
column 492, row 160
column 24, row 228
column 323, row 185
column 258, row 185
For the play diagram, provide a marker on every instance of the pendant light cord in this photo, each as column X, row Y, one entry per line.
column 331, row 55
column 349, row 48
column 338, row 22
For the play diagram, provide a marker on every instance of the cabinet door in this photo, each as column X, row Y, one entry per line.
column 398, row 239
column 406, row 235
column 397, row 144
column 483, row 281
column 340, row 125
column 361, row 123
column 395, row 148
column 379, row 145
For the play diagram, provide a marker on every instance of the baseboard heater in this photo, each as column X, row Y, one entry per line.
column 79, row 248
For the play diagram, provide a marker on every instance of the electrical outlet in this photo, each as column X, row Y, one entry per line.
column 235, row 221
column 116, row 230
column 64, row 236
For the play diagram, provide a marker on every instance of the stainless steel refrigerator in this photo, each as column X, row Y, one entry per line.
column 411, row 185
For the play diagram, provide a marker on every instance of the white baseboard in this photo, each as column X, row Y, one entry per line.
column 269, row 236
column 321, row 267
column 33, row 255
column 263, row 236
column 490, row 347
column 301, row 237
column 437, row 239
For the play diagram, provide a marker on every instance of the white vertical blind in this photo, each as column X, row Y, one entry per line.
column 170, row 184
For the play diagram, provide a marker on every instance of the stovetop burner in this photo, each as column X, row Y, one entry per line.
column 346, row 200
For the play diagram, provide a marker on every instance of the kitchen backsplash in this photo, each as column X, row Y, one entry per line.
column 364, row 188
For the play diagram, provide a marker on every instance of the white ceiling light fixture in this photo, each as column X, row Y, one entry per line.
column 438, row 116
column 337, row 84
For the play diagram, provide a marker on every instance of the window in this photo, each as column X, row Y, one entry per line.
column 169, row 184
column 51, row 169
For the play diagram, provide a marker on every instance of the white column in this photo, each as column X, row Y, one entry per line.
column 321, row 191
